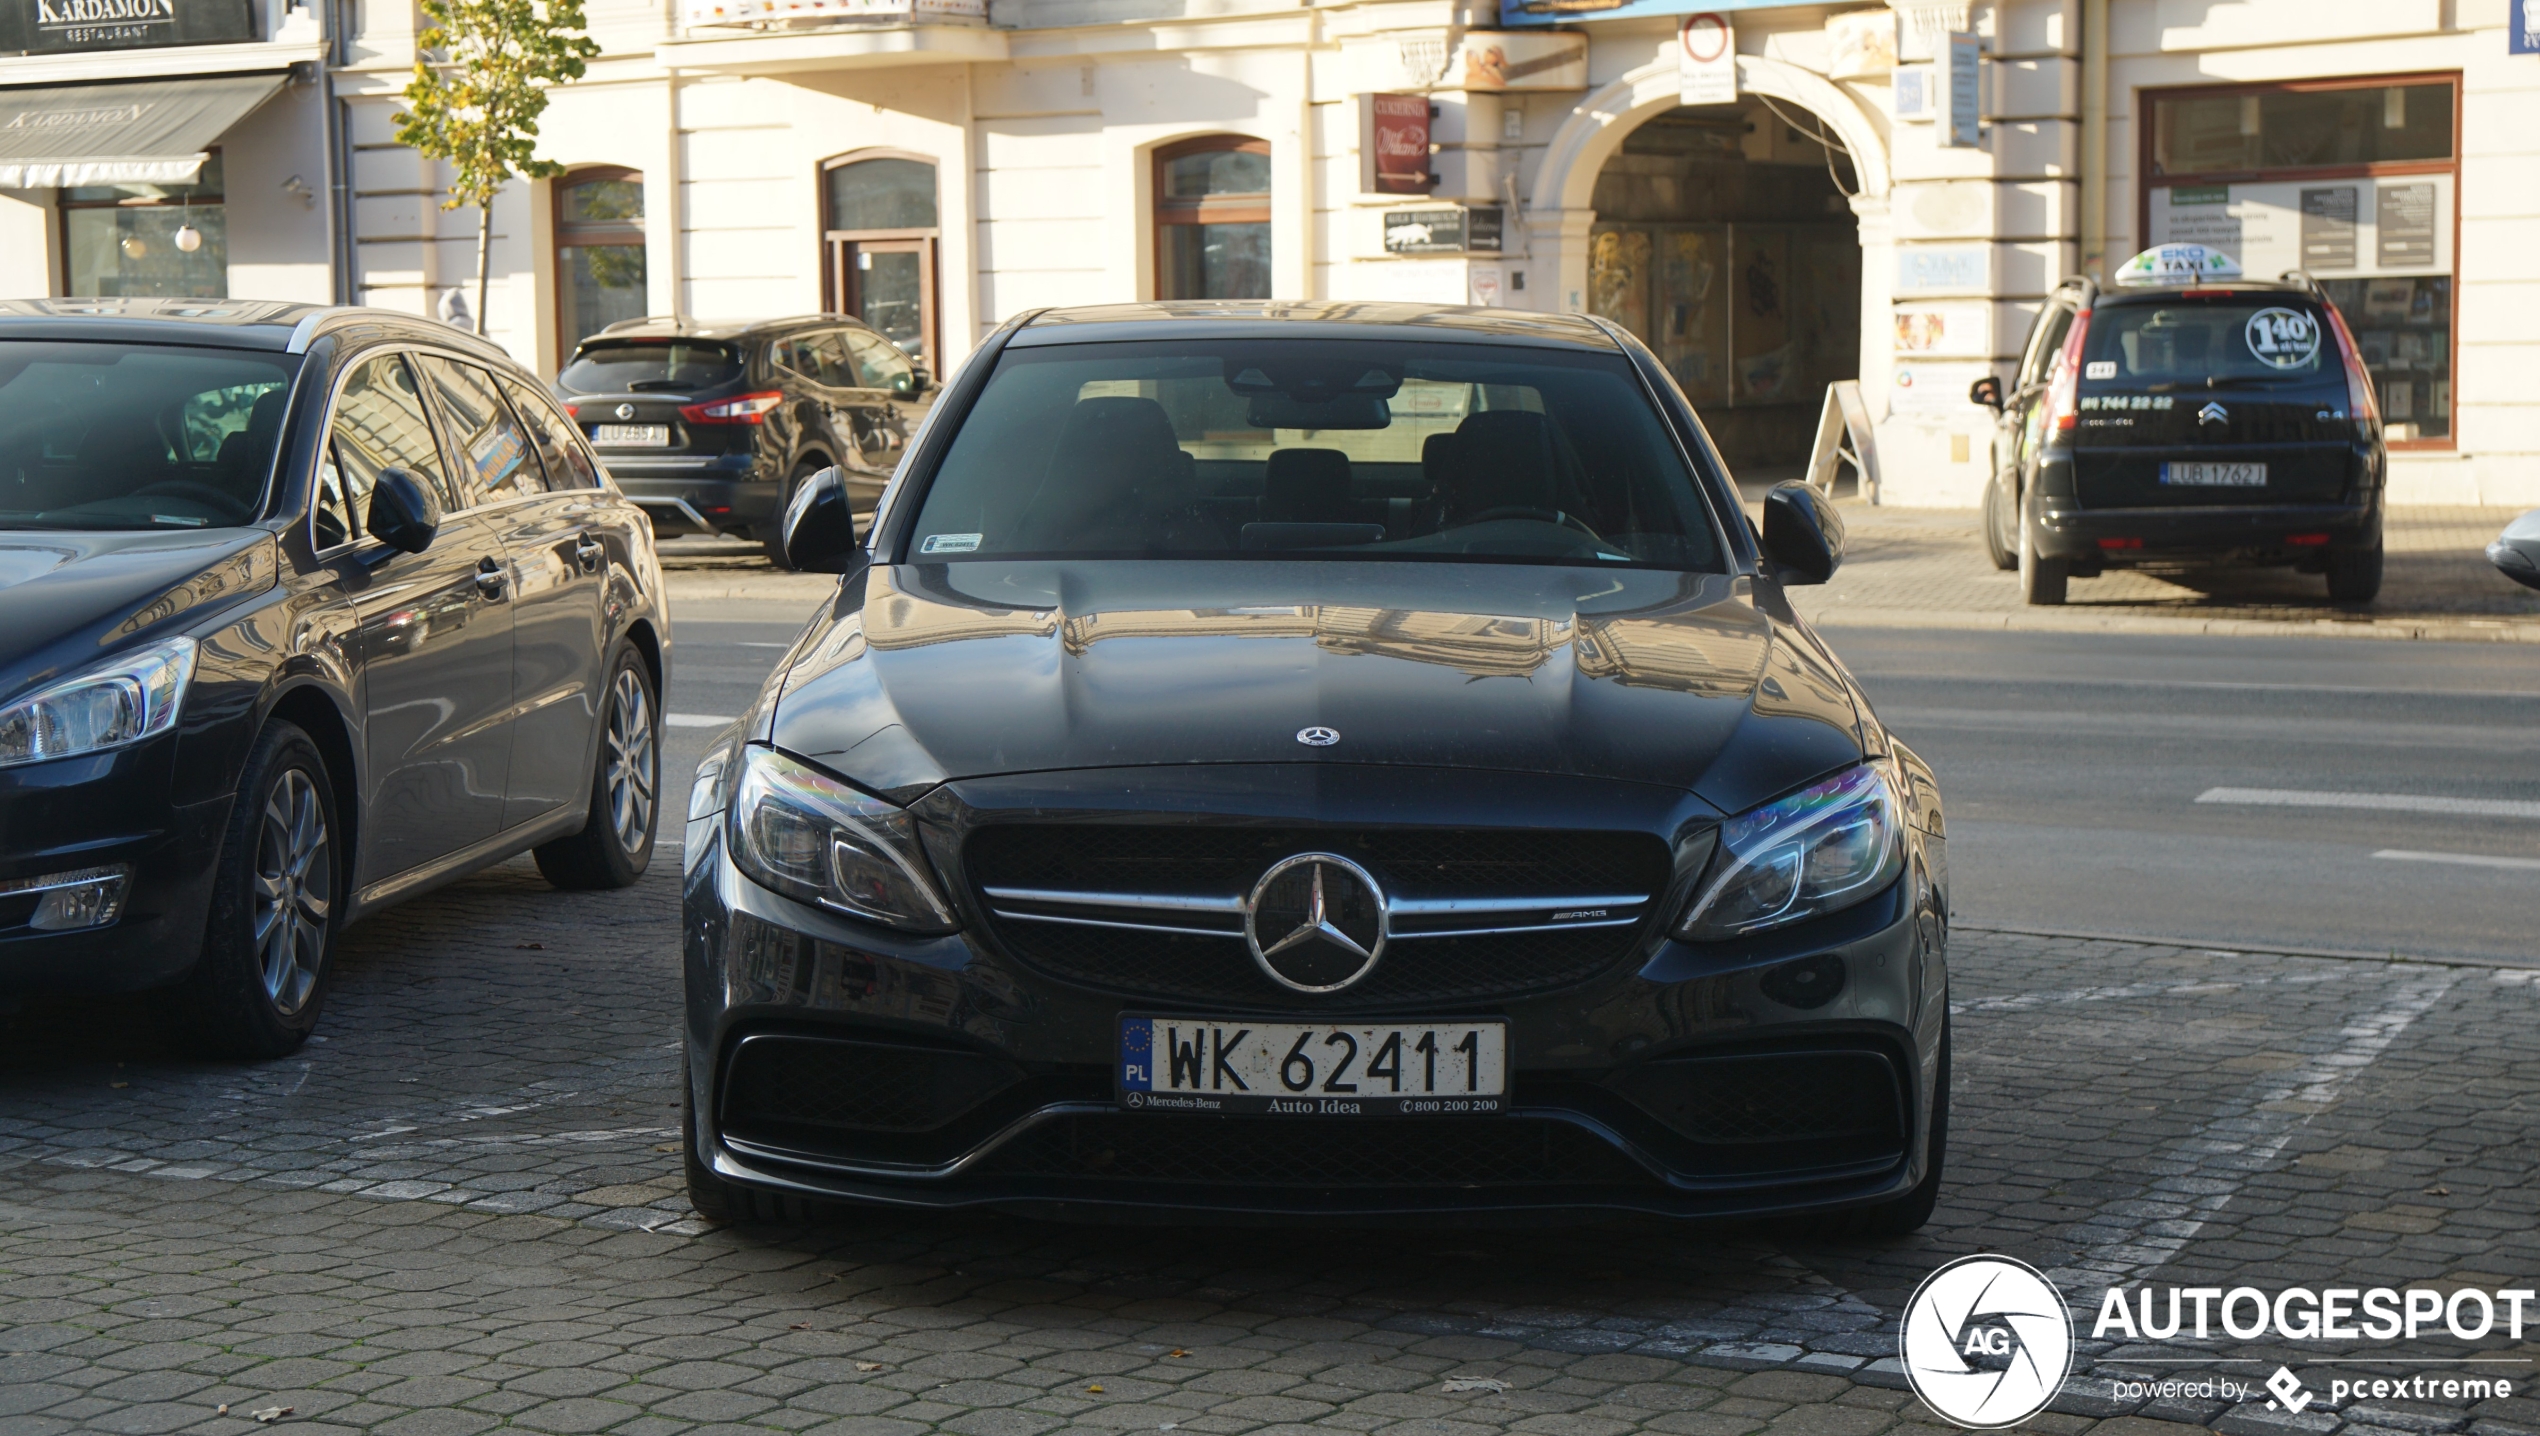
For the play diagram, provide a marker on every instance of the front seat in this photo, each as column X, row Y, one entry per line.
column 1502, row 459
column 1306, row 486
column 1116, row 477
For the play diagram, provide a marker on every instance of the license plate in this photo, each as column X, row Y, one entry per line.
column 2215, row 476
column 1290, row 1069
column 631, row 436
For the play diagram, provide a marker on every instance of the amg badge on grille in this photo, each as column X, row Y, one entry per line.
column 1315, row 922
column 1318, row 737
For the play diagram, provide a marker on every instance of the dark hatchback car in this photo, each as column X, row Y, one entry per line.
column 308, row 611
column 2184, row 423
column 711, row 427
column 1295, row 760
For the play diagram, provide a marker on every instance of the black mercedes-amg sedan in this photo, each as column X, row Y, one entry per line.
column 308, row 611
column 1301, row 760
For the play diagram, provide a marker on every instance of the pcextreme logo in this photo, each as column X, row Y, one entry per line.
column 1987, row 1342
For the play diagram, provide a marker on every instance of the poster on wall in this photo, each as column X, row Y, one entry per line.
column 1962, row 330
column 1500, row 60
column 2356, row 228
column 1933, row 390
column 1706, row 60
column 1860, row 43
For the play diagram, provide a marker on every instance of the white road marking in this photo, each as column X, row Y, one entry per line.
column 2378, row 802
column 2467, row 860
column 695, row 720
column 746, row 643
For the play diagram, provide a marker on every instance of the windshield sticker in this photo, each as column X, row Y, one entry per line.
column 2283, row 338
column 2128, row 401
column 950, row 543
column 2099, row 369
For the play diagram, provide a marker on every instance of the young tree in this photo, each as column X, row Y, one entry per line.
column 477, row 108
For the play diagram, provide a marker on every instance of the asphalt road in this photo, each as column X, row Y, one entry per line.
column 2074, row 765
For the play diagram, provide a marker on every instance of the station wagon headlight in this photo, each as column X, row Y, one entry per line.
column 803, row 833
column 1817, row 851
column 136, row 696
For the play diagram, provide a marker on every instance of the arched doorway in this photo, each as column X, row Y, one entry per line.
column 880, row 230
column 1724, row 237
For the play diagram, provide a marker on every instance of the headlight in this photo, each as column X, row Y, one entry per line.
column 136, row 696
column 809, row 836
column 1817, row 851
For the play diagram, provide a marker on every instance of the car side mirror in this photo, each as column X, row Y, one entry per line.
column 1986, row 391
column 404, row 514
column 916, row 381
column 2516, row 551
column 1803, row 535
column 820, row 524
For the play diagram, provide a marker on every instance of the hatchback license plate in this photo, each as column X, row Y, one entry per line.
column 2215, row 476
column 631, row 436
column 1289, row 1069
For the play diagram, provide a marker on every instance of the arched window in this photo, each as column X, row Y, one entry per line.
column 599, row 252
column 878, row 245
column 1212, row 219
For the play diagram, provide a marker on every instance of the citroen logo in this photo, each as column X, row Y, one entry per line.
column 626, row 411
column 2214, row 414
column 1318, row 737
column 1315, row 922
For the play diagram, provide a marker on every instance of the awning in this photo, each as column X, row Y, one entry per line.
column 138, row 132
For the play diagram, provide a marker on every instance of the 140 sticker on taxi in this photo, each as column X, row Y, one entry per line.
column 1382, row 1069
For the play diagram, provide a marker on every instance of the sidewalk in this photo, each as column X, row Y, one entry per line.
column 1926, row 568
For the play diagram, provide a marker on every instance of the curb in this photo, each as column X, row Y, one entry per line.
column 2440, row 630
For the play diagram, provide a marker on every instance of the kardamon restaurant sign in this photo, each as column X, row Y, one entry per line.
column 53, row 27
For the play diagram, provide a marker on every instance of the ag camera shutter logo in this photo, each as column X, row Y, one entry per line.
column 1987, row 1342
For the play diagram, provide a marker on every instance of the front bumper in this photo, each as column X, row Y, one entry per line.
column 1591, row 1126
column 2258, row 534
column 722, row 493
column 102, row 811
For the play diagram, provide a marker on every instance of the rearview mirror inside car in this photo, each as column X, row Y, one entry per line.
column 1803, row 535
column 1986, row 391
column 820, row 524
column 403, row 514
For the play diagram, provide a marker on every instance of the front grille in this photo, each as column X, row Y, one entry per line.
column 1594, row 890
column 779, row 1085
column 1278, row 1152
column 1820, row 1107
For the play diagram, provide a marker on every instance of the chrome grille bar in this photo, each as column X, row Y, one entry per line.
column 1582, row 911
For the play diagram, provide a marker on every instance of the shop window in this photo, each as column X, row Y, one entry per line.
column 1212, row 219
column 2353, row 182
column 599, row 252
column 156, row 240
column 878, row 245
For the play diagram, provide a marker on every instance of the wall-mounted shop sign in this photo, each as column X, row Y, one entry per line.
column 1398, row 137
column 1959, row 106
column 2522, row 27
column 1524, row 60
column 753, row 12
column 1944, row 269
column 54, row 27
column 1514, row 13
column 1445, row 230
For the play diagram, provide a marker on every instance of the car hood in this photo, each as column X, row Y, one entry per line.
column 70, row 596
column 922, row 674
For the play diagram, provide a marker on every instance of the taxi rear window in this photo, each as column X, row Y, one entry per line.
column 2241, row 337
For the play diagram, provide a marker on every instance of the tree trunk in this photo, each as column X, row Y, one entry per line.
column 484, row 256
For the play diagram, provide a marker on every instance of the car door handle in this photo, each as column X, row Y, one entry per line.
column 489, row 580
column 588, row 553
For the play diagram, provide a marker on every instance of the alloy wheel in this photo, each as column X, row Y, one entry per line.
column 294, row 891
column 633, row 762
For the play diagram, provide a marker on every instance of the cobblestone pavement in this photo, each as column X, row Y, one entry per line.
column 460, row 1211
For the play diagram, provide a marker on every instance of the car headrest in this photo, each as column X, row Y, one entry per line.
column 238, row 451
column 1112, row 451
column 1306, row 486
column 1503, row 459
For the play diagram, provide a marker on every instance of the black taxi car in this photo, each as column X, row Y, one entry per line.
column 710, row 427
column 309, row 611
column 2186, row 416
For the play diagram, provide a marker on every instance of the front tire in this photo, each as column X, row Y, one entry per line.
column 258, row 988
column 616, row 844
column 2354, row 576
column 1998, row 515
column 2042, row 579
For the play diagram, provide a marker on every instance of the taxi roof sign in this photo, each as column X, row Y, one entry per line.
column 2177, row 264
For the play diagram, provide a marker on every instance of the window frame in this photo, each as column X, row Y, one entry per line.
column 64, row 206
column 345, row 368
column 839, row 248
column 1166, row 213
column 2146, row 99
column 564, row 235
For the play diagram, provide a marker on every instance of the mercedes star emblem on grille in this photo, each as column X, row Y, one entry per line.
column 1315, row 922
column 2214, row 414
column 1318, row 737
column 626, row 411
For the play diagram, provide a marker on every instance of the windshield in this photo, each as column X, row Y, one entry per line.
column 1315, row 448
column 131, row 436
column 638, row 366
column 2225, row 340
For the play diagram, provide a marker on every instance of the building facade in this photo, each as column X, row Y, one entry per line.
column 1775, row 197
